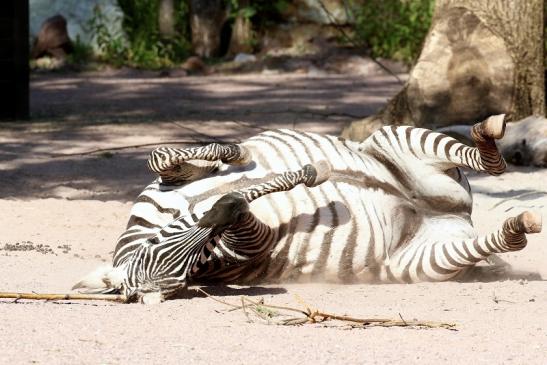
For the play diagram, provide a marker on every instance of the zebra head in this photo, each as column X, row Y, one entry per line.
column 114, row 280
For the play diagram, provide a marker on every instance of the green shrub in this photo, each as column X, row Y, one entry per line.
column 393, row 28
column 141, row 45
column 112, row 47
column 81, row 54
column 261, row 12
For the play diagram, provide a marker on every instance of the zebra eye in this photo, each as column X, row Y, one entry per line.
column 163, row 158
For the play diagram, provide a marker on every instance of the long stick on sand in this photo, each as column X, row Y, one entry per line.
column 314, row 316
column 76, row 296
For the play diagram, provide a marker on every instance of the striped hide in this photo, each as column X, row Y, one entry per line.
column 294, row 206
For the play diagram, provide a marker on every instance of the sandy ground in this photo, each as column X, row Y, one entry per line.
column 61, row 213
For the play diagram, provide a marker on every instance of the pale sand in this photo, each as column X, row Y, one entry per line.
column 83, row 202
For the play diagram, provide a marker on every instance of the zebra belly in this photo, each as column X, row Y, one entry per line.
column 335, row 232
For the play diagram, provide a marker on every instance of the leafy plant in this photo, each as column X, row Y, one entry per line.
column 141, row 44
column 81, row 54
column 112, row 47
column 393, row 28
column 258, row 13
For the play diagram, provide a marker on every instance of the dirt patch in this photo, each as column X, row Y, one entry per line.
column 26, row 246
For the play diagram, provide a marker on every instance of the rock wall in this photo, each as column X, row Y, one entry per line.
column 302, row 20
column 306, row 25
column 77, row 13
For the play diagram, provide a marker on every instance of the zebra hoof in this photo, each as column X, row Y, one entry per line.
column 530, row 222
column 319, row 173
column 244, row 157
column 493, row 127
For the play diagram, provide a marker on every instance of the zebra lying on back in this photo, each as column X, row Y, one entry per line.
column 295, row 206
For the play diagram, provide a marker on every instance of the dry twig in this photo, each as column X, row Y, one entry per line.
column 315, row 316
column 76, row 296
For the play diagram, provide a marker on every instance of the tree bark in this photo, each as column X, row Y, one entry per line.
column 242, row 32
column 480, row 57
column 206, row 20
column 167, row 18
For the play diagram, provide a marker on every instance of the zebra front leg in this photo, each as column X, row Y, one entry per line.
column 437, row 260
column 176, row 165
column 230, row 208
column 244, row 238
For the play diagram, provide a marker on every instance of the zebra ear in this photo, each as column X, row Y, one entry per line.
column 103, row 278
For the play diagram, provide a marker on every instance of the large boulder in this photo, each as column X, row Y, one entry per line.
column 53, row 39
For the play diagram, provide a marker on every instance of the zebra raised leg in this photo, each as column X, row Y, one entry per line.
column 243, row 237
column 437, row 149
column 176, row 165
column 162, row 266
column 440, row 260
column 484, row 135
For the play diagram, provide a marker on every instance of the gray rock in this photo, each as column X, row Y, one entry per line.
column 244, row 58
column 77, row 13
column 53, row 39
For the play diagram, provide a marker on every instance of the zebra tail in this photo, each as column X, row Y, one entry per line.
column 103, row 280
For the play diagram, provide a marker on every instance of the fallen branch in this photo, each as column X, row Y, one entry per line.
column 315, row 316
column 76, row 296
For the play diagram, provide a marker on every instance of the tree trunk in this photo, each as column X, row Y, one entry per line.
column 206, row 20
column 480, row 57
column 167, row 18
column 242, row 32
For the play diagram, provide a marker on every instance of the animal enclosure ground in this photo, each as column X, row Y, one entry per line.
column 66, row 210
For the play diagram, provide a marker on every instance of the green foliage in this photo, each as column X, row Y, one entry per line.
column 112, row 46
column 393, row 28
column 388, row 28
column 260, row 12
column 82, row 53
column 141, row 45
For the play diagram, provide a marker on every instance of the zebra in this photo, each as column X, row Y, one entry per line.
column 293, row 206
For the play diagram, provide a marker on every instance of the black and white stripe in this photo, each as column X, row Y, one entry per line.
column 395, row 208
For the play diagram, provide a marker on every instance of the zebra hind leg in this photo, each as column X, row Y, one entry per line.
column 484, row 135
column 178, row 165
column 440, row 150
column 436, row 260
